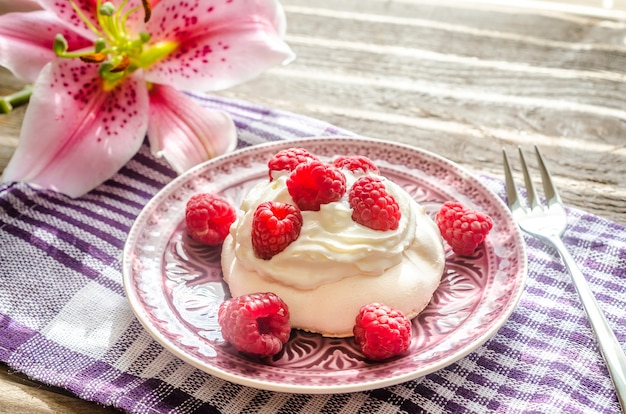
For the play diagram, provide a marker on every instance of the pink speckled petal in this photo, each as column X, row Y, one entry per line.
column 184, row 133
column 26, row 41
column 66, row 13
column 75, row 135
column 221, row 44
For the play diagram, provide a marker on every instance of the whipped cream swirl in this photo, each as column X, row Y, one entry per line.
column 331, row 245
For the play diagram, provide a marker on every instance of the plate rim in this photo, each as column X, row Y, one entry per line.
column 257, row 383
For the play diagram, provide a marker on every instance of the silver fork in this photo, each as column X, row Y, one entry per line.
column 547, row 223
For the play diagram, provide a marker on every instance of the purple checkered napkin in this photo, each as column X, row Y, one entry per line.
column 64, row 319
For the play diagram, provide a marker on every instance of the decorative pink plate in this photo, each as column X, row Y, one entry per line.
column 175, row 287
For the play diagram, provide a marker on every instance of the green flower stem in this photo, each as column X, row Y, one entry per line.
column 19, row 98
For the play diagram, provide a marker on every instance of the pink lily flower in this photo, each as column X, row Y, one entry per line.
column 105, row 74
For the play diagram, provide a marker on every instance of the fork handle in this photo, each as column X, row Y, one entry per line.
column 610, row 348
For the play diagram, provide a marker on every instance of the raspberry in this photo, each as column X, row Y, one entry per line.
column 315, row 183
column 274, row 226
column 287, row 160
column 358, row 164
column 464, row 229
column 255, row 324
column 208, row 218
column 372, row 206
column 381, row 331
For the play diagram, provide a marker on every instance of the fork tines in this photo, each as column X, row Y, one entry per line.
column 550, row 192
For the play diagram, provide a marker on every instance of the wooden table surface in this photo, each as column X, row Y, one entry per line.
column 462, row 79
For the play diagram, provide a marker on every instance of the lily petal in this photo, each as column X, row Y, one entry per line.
column 64, row 11
column 75, row 135
column 26, row 41
column 185, row 133
column 220, row 45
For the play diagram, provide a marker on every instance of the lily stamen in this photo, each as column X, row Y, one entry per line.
column 93, row 57
column 147, row 8
column 116, row 49
column 122, row 66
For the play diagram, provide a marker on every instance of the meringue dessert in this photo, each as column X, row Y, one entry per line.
column 336, row 265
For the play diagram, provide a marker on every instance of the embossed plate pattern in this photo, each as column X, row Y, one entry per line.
column 174, row 285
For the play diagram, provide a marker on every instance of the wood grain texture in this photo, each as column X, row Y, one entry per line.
column 465, row 82
column 19, row 395
column 462, row 79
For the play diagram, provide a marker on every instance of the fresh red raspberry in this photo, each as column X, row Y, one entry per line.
column 208, row 218
column 287, row 160
column 381, row 331
column 315, row 183
column 464, row 229
column 358, row 164
column 256, row 324
column 372, row 206
column 274, row 226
